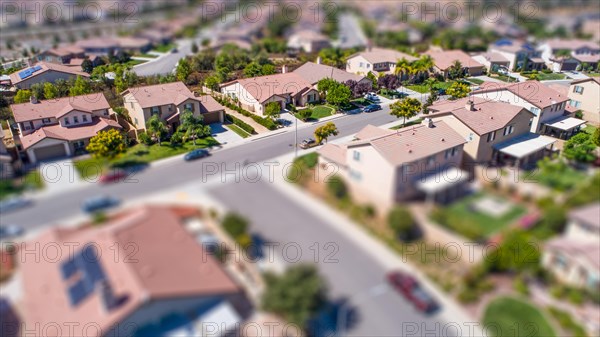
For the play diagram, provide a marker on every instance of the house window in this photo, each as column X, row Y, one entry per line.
column 135, row 120
column 535, row 110
column 155, row 111
column 355, row 175
column 356, row 155
column 578, row 89
column 430, row 160
column 46, row 120
column 362, row 65
column 78, row 145
column 574, row 103
column 189, row 106
column 491, row 136
column 450, row 153
column 530, row 121
column 75, row 120
column 105, row 112
column 508, row 130
column 170, row 107
column 67, row 121
column 84, row 118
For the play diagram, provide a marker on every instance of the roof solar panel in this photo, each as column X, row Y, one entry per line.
column 77, row 293
column 68, row 269
column 36, row 68
column 86, row 263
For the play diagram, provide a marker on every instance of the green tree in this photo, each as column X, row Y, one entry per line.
column 268, row 69
column 37, row 90
column 22, row 96
column 324, row 85
column 580, row 148
column 456, row 70
column 297, row 295
column 273, row 109
column 253, row 69
column 339, row 95
column 80, row 87
column 403, row 67
column 156, row 128
column 107, row 144
column 183, row 70
column 325, row 131
column 517, row 252
column 212, row 82
column 406, row 108
column 50, row 91
column 596, row 137
column 458, row 90
column 192, row 126
column 305, row 114
column 401, row 222
column 87, row 66
column 194, row 47
column 235, row 224
column 334, row 57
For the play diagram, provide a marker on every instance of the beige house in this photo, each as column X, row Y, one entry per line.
column 168, row 101
column 44, row 72
column 519, row 53
column 444, row 59
column 585, row 95
column 61, row 127
column 580, row 52
column 61, row 55
column 574, row 257
column 308, row 40
column 493, row 61
column 376, row 60
column 255, row 93
column 7, row 168
column 382, row 167
column 314, row 72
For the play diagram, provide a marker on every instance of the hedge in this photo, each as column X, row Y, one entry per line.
column 243, row 125
column 266, row 122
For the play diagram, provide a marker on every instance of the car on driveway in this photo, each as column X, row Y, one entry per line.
column 372, row 97
column 113, row 176
column 11, row 231
column 97, row 204
column 372, row 107
column 307, row 143
column 14, row 203
column 410, row 288
column 196, row 154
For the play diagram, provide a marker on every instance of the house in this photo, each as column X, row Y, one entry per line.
column 7, row 168
column 44, row 72
column 521, row 54
column 496, row 132
column 168, row 101
column 569, row 55
column 584, row 95
column 138, row 274
column 493, row 61
column 108, row 46
column 61, row 127
column 443, row 60
column 574, row 257
column 61, row 55
column 308, row 40
column 314, row 72
column 255, row 93
column 382, row 167
column 548, row 105
column 376, row 60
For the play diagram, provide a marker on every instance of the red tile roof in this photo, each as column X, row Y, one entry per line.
column 445, row 59
column 264, row 87
column 47, row 66
column 161, row 94
column 57, row 107
column 533, row 92
column 73, row 133
column 380, row 55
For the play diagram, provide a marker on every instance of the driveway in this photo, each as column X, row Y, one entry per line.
column 576, row 75
column 59, row 176
column 224, row 135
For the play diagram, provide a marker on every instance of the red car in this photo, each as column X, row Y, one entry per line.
column 113, row 177
column 409, row 287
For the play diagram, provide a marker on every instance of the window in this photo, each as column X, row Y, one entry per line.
column 450, row 152
column 46, row 120
column 170, row 107
column 508, row 130
column 491, row 136
column 189, row 106
column 368, row 66
column 84, row 118
column 578, row 89
column 356, row 155
column 535, row 110
column 75, row 120
column 575, row 104
column 78, row 145
column 155, row 111
column 66, row 119
column 431, row 160
column 362, row 64
column 135, row 121
column 105, row 112
column 530, row 121
column 355, row 175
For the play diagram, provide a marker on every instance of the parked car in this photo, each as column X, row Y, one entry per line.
column 372, row 97
column 307, row 143
column 11, row 231
column 174, row 50
column 113, row 176
column 100, row 203
column 372, row 107
column 196, row 154
column 14, row 203
column 409, row 287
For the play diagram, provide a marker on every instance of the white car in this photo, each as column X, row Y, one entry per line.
column 372, row 97
column 13, row 204
column 11, row 231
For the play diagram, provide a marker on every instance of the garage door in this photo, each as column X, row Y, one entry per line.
column 567, row 66
column 50, row 152
column 212, row 117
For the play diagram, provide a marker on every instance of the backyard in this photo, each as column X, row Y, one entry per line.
column 507, row 316
column 556, row 174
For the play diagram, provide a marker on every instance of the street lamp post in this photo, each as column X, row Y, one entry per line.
column 343, row 311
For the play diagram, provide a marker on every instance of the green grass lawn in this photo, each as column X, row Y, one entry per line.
column 503, row 78
column 559, row 176
column 140, row 154
column 589, row 129
column 134, row 62
column 320, row 111
column 165, row 48
column 422, row 88
column 31, row 181
column 507, row 316
column 240, row 132
column 475, row 80
column 361, row 101
column 550, row 77
column 415, row 122
column 149, row 56
column 463, row 219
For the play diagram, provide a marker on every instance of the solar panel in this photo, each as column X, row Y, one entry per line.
column 68, row 269
column 29, row 71
column 36, row 68
column 90, row 266
column 77, row 293
column 87, row 264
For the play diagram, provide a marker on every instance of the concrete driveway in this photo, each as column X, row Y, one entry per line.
column 223, row 135
column 59, row 176
column 576, row 75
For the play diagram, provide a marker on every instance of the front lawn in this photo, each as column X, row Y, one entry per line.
column 238, row 131
column 165, row 48
column 148, row 56
column 504, row 78
column 475, row 80
column 31, row 181
column 507, row 316
column 319, row 111
column 550, row 77
column 409, row 123
column 133, row 62
column 462, row 217
column 424, row 89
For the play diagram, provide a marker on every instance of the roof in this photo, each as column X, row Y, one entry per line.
column 587, row 58
column 380, row 55
column 446, row 58
column 264, row 87
column 511, row 46
column 334, row 152
column 209, row 104
column 531, row 91
column 161, row 94
column 168, row 263
column 65, row 50
column 488, row 115
column 73, row 133
column 313, row 73
column 307, row 35
column 42, row 67
column 495, row 57
column 371, row 131
column 589, row 251
column 571, row 44
column 565, row 123
column 595, row 79
column 590, row 215
column 522, row 146
column 58, row 107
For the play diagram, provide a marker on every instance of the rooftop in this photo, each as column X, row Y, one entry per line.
column 161, row 94
column 571, row 44
column 589, row 215
column 73, row 133
column 264, row 87
column 533, row 92
column 42, row 67
column 446, row 58
column 58, row 107
column 380, row 55
column 313, row 73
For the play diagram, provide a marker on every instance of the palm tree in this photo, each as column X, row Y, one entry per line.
column 403, row 67
column 156, row 128
column 455, row 70
column 192, row 125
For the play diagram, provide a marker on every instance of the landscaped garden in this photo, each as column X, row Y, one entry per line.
column 165, row 48
column 556, row 174
column 506, row 316
column 30, row 181
column 318, row 112
column 239, row 131
column 424, row 88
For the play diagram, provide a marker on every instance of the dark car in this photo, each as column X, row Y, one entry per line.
column 409, row 287
column 113, row 176
column 307, row 143
column 196, row 154
column 100, row 203
column 372, row 107
column 12, row 204
column 11, row 231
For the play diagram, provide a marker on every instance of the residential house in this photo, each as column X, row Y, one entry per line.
column 138, row 274
column 61, row 127
column 493, row 61
column 585, row 95
column 496, row 132
column 314, row 72
column 376, row 60
column 382, row 166
column 521, row 54
column 548, row 105
column 255, row 93
column 7, row 167
column 308, row 40
column 168, row 101
column 574, row 257
column 61, row 55
column 109, row 46
column 569, row 55
column 44, row 72
column 443, row 60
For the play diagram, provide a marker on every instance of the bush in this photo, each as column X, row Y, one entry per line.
column 575, row 296
column 243, row 125
column 521, row 286
column 401, row 222
column 310, row 160
column 235, row 225
column 266, row 122
column 176, row 138
column 145, row 138
column 337, row 187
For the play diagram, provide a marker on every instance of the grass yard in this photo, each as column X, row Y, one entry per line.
column 557, row 175
column 589, row 128
column 475, row 80
column 320, row 111
column 239, row 131
column 31, row 181
column 422, row 88
column 415, row 122
column 503, row 78
column 134, row 62
column 148, row 56
column 507, row 316
column 462, row 218
column 550, row 77
column 165, row 48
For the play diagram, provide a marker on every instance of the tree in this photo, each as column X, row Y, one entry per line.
column 325, row 131
column 517, row 252
column 388, row 81
column 456, row 70
column 334, row 57
column 253, row 69
column 107, row 144
column 22, row 96
column 156, row 128
column 580, row 148
column 339, row 95
column 406, row 108
column 596, row 137
column 204, row 61
column 297, row 295
column 458, row 90
column 273, row 109
column 324, row 85
column 50, row 91
column 403, row 67
column 362, row 88
column 212, row 82
column 235, row 224
column 183, row 70
column 401, row 222
column 37, row 90
column 80, row 87
column 194, row 47
column 87, row 66
column 192, row 126
column 337, row 187
column 305, row 114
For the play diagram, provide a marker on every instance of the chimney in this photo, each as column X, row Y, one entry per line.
column 470, row 106
column 319, row 60
column 284, row 69
column 428, row 122
column 33, row 99
column 107, row 297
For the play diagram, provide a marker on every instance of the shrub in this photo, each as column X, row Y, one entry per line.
column 176, row 138
column 266, row 122
column 575, row 296
column 243, row 125
column 401, row 222
column 235, row 224
column 310, row 160
column 337, row 187
column 144, row 138
column 521, row 286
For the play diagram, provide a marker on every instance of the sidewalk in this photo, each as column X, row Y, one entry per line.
column 257, row 127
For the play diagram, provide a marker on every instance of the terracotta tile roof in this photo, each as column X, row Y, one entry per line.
column 65, row 50
column 445, row 59
column 380, row 55
column 47, row 66
column 587, row 58
column 167, row 263
column 495, row 57
column 571, row 44
column 161, row 94
column 334, row 152
column 371, row 131
column 313, row 73
column 57, row 107
column 533, row 92
column 209, row 104
column 589, row 251
column 69, row 133
column 264, row 87
column 590, row 215
column 486, row 117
